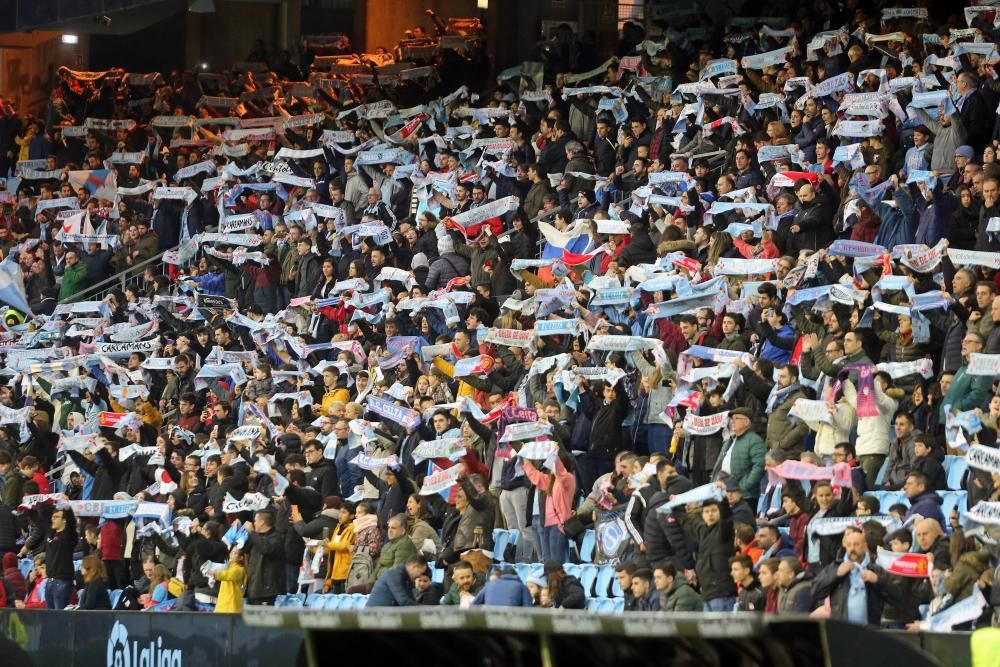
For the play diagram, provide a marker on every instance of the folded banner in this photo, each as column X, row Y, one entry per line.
column 372, row 463
column 31, row 501
column 505, row 337
column 899, row 369
column 443, row 448
column 467, row 222
column 985, row 512
column 839, row 473
column 623, row 343
column 106, row 509
column 699, row 494
column 984, row 364
column 990, row 260
column 984, row 458
column 904, row 564
column 525, row 431
column 479, row 365
column 408, row 419
column 121, row 350
column 963, row 611
column 707, row 425
column 729, row 266
column 249, row 432
column 762, row 60
column 157, row 511
column 439, row 481
column 251, row 502
column 848, row 248
column 836, row 525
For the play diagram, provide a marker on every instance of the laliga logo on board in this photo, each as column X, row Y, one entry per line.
column 122, row 654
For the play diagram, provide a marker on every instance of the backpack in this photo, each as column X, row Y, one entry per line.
column 362, row 568
column 129, row 600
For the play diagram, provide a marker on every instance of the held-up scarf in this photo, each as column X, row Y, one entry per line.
column 778, row 396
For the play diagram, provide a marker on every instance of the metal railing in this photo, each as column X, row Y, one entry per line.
column 131, row 276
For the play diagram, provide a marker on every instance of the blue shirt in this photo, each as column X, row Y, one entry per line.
column 857, row 594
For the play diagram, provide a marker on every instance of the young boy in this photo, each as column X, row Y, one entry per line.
column 897, row 616
column 927, row 459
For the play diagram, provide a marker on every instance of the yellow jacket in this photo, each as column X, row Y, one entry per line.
column 340, row 547
column 464, row 388
column 232, row 581
column 331, row 397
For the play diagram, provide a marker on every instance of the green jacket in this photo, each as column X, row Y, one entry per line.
column 782, row 432
column 74, row 281
column 395, row 552
column 681, row 597
column 747, row 464
column 452, row 597
column 966, row 391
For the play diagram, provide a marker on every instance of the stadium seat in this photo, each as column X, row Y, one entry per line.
column 501, row 538
column 955, row 469
column 77, row 564
column 115, row 595
column 606, row 606
column 605, row 575
column 296, row 600
column 525, row 570
column 588, row 575
column 619, row 605
column 316, row 600
column 333, row 601
column 881, row 472
column 280, row 601
column 593, row 604
column 587, row 546
column 358, row 601
column 572, row 569
column 27, row 566
column 887, row 499
column 953, row 500
column 515, row 535
column 437, row 575
column 616, row 589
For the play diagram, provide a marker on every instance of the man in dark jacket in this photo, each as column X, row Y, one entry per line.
column 923, row 500
column 323, row 472
column 647, row 598
column 266, row 549
column 105, row 468
column 977, row 119
column 59, row 546
column 664, row 538
column 858, row 588
column 751, row 595
column 395, row 587
column 712, row 526
column 812, row 228
column 507, row 590
column 310, row 268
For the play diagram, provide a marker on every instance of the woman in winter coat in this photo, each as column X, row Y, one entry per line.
column 606, row 413
column 340, row 551
column 565, row 591
column 416, row 525
column 964, row 220
column 557, row 489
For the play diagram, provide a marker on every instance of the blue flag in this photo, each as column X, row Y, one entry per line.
column 12, row 286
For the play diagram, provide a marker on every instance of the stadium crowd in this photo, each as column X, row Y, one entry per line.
column 719, row 315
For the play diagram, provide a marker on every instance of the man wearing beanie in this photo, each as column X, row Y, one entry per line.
column 448, row 266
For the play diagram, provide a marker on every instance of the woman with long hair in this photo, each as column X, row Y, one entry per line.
column 95, row 593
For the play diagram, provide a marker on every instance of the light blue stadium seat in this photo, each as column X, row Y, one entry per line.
column 316, row 601
column 593, row 604
column 77, row 564
column 887, row 499
column 616, row 589
column 296, row 600
column 606, row 606
column 588, row 575
column 115, row 595
column 881, row 472
column 525, row 570
column 587, row 546
column 953, row 500
column 358, row 601
column 26, row 565
column 515, row 535
column 956, row 469
column 280, row 601
column 605, row 575
column 437, row 575
column 572, row 569
column 333, row 601
column 619, row 605
column 501, row 538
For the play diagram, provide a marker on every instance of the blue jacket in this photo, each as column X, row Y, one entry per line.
column 392, row 589
column 780, row 355
column 927, row 505
column 211, row 283
column 507, row 591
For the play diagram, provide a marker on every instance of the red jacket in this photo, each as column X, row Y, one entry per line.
column 797, row 531
column 111, row 540
column 42, row 481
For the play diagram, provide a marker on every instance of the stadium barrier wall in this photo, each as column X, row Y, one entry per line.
column 446, row 636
